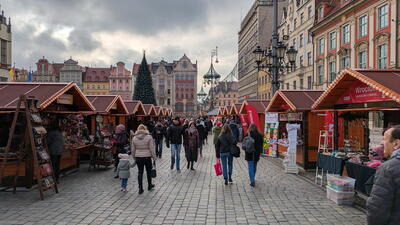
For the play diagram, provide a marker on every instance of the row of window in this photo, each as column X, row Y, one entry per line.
column 362, row 22
column 184, row 77
column 227, row 102
column 121, row 81
column 362, row 56
column 120, row 88
column 184, row 95
column 301, row 86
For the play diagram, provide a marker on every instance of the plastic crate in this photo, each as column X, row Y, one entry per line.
column 340, row 183
column 340, row 197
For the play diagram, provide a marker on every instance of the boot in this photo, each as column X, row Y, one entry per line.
column 230, row 178
column 226, row 182
column 188, row 165
column 150, row 187
column 191, row 167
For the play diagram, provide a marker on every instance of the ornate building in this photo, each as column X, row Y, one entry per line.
column 5, row 47
column 120, row 81
column 47, row 72
column 71, row 72
column 96, row 81
column 297, row 19
column 355, row 34
column 175, row 84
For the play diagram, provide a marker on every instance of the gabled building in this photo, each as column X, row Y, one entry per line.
column 71, row 72
column 96, row 81
column 120, row 81
column 47, row 72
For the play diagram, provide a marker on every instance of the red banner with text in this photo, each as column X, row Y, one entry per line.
column 360, row 92
column 252, row 116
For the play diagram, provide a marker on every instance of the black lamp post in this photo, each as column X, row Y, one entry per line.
column 272, row 60
column 211, row 78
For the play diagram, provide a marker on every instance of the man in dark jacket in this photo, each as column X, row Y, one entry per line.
column 158, row 134
column 235, row 130
column 202, row 135
column 383, row 205
column 55, row 143
column 174, row 137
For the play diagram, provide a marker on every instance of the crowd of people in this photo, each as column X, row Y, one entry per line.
column 146, row 145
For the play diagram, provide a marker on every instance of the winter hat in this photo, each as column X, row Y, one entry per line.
column 123, row 156
column 218, row 124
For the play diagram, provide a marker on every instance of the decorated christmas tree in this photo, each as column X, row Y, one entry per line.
column 144, row 91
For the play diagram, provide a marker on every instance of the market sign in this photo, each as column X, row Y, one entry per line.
column 291, row 116
column 360, row 92
column 65, row 99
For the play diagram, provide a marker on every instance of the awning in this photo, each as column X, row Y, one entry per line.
column 294, row 101
column 46, row 94
column 370, row 89
column 108, row 104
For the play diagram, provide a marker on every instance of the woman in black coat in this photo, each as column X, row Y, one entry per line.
column 253, row 158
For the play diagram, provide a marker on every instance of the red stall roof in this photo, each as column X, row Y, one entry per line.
column 385, row 81
column 227, row 111
column 259, row 105
column 105, row 103
column 150, row 110
column 135, row 108
column 45, row 93
column 159, row 110
column 293, row 100
column 235, row 109
column 221, row 111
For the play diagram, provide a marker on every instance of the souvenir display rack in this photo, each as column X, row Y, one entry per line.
column 35, row 146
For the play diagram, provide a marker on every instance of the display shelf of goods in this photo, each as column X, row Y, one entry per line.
column 75, row 132
column 341, row 183
column 340, row 197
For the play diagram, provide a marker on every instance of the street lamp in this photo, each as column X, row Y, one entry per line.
column 272, row 61
column 211, row 78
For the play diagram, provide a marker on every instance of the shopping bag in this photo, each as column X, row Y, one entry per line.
column 153, row 170
column 218, row 168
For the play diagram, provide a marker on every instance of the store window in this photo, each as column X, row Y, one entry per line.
column 362, row 26
column 382, row 56
column 362, row 59
column 332, row 40
column 332, row 71
column 309, row 58
column 346, row 34
column 168, row 101
column 309, row 83
column 383, row 16
column 301, row 83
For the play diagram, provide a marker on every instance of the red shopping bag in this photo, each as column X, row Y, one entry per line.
column 218, row 168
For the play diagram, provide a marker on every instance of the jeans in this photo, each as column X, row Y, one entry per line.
column 201, row 149
column 176, row 155
column 141, row 163
column 55, row 161
column 252, row 170
column 159, row 145
column 124, row 182
column 227, row 164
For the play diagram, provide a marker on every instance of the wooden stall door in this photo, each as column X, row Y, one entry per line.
column 315, row 124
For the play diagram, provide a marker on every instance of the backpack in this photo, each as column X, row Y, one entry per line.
column 248, row 144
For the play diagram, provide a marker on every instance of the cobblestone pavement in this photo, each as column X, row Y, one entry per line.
column 190, row 197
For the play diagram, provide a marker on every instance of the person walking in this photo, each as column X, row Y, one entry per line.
column 202, row 135
column 159, row 132
column 143, row 150
column 216, row 132
column 123, row 170
column 191, row 141
column 174, row 138
column 55, row 143
column 121, row 141
column 383, row 204
column 234, row 129
column 252, row 158
column 223, row 151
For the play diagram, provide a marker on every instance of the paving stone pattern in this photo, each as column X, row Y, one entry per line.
column 189, row 197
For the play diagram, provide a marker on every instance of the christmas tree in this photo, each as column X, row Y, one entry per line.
column 144, row 91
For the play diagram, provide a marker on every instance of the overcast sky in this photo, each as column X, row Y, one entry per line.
column 102, row 32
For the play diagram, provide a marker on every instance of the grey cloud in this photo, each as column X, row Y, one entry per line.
column 82, row 40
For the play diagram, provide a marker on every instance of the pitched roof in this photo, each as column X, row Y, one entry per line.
column 220, row 111
column 45, row 93
column 294, row 100
column 106, row 103
column 96, row 74
column 259, row 105
column 150, row 110
column 227, row 111
column 235, row 109
column 385, row 81
column 135, row 108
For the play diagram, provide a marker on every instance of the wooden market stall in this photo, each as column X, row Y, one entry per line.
column 150, row 111
column 110, row 112
column 62, row 103
column 253, row 111
column 293, row 107
column 364, row 103
column 136, row 114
